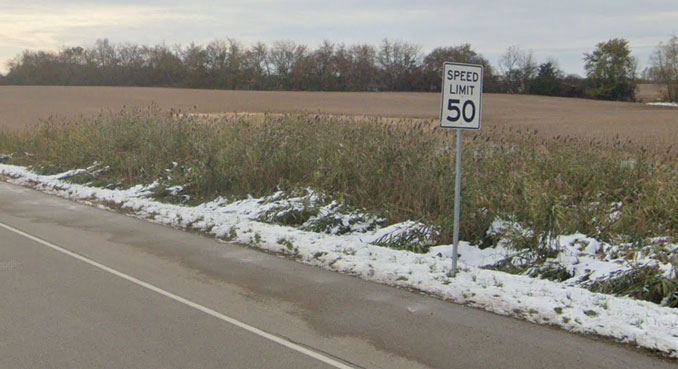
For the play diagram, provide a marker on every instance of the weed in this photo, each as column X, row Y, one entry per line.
column 231, row 235
column 287, row 243
column 591, row 313
column 289, row 216
column 645, row 283
column 415, row 239
column 551, row 271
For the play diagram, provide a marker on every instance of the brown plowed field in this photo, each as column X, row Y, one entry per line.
column 20, row 106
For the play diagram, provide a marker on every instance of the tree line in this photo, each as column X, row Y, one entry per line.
column 228, row 64
column 286, row 65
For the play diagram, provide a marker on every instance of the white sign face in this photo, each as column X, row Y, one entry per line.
column 462, row 96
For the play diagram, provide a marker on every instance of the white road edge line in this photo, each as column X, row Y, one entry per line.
column 206, row 310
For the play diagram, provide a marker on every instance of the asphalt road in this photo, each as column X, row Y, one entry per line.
column 86, row 288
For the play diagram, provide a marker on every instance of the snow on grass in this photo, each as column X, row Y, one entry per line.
column 586, row 260
column 566, row 305
column 589, row 260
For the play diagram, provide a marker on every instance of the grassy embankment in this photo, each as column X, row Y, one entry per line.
column 397, row 169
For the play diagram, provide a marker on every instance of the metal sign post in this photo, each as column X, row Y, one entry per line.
column 462, row 92
column 457, row 203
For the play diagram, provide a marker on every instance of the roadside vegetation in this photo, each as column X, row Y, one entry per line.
column 394, row 170
column 399, row 169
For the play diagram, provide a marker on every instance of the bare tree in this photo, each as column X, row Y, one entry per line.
column 165, row 66
column 355, row 67
column 104, row 54
column 518, row 67
column 195, row 62
column 324, row 67
column 433, row 65
column 133, row 61
column 398, row 60
column 257, row 66
column 664, row 68
column 130, row 55
column 226, row 64
column 283, row 57
column 216, row 56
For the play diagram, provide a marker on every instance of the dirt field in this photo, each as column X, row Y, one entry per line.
column 652, row 126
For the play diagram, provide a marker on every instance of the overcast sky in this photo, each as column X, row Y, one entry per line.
column 561, row 29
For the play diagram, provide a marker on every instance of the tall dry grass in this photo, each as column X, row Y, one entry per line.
column 397, row 169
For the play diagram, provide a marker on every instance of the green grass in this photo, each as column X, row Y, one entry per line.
column 398, row 170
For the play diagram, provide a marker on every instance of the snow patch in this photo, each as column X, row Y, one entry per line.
column 669, row 104
column 566, row 305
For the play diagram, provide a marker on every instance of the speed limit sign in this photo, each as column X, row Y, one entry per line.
column 462, row 92
column 462, row 96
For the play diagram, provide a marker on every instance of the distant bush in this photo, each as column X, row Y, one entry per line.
column 611, row 71
column 433, row 66
column 551, row 81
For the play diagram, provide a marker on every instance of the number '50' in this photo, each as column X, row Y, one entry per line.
column 453, row 107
